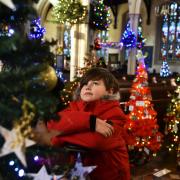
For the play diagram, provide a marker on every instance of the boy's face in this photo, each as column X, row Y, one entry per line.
column 93, row 90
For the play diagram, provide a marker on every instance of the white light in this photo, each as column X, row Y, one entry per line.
column 11, row 163
column 36, row 158
column 21, row 172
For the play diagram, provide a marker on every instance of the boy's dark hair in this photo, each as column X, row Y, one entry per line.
column 98, row 73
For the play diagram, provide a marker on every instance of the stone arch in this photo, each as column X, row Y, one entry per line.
column 43, row 9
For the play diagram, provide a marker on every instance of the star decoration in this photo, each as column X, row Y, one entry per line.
column 43, row 174
column 79, row 171
column 8, row 3
column 12, row 145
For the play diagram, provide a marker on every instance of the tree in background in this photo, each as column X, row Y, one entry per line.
column 128, row 37
column 144, row 139
column 165, row 70
column 36, row 30
column 99, row 15
column 172, row 119
column 68, row 11
column 140, row 39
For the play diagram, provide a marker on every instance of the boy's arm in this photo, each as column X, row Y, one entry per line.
column 70, row 122
column 78, row 121
column 90, row 140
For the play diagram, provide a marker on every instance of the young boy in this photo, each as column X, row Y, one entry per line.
column 95, row 121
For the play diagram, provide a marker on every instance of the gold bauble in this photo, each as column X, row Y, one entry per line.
column 49, row 78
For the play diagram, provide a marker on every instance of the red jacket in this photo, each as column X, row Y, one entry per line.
column 108, row 154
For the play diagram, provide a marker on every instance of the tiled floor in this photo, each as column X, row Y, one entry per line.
column 162, row 161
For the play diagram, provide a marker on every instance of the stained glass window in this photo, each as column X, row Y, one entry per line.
column 170, row 37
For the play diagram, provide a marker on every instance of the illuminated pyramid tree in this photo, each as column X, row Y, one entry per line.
column 172, row 129
column 144, row 139
column 36, row 30
column 128, row 37
column 165, row 70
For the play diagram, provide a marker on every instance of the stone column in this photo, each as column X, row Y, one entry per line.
column 79, row 46
column 134, row 11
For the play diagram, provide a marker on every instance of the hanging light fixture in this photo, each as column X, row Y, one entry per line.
column 162, row 8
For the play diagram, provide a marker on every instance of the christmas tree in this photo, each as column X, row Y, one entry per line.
column 140, row 39
column 128, row 37
column 165, row 70
column 28, row 90
column 36, row 31
column 144, row 138
column 68, row 11
column 99, row 15
column 172, row 119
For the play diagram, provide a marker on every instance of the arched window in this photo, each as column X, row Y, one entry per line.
column 169, row 44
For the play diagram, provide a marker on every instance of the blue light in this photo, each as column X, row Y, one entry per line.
column 37, row 31
column 16, row 169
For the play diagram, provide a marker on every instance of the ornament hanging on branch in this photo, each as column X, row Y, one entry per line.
column 47, row 78
column 69, row 11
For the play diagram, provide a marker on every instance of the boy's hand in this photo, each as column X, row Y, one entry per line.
column 42, row 135
column 104, row 128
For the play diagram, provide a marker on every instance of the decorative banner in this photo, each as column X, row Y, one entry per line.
column 115, row 45
column 8, row 3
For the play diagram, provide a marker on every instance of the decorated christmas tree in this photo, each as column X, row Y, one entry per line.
column 172, row 119
column 144, row 139
column 140, row 39
column 99, row 15
column 68, row 11
column 165, row 70
column 128, row 37
column 28, row 92
column 36, row 30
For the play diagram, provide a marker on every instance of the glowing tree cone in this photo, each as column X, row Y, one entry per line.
column 144, row 139
column 165, row 70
